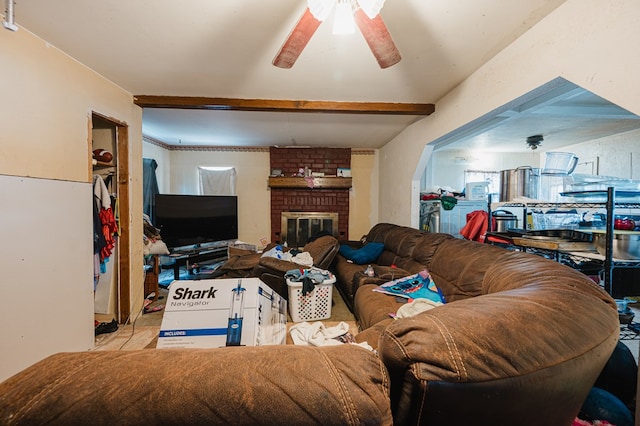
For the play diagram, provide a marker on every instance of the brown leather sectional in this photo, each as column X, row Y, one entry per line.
column 521, row 340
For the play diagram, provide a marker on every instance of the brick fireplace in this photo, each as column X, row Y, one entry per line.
column 297, row 197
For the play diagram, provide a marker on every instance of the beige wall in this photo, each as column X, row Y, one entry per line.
column 254, row 198
column 363, row 198
column 178, row 169
column 252, row 169
column 588, row 42
column 47, row 103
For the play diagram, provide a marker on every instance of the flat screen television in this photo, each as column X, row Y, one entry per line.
column 193, row 220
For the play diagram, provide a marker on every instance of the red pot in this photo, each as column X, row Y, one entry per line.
column 624, row 224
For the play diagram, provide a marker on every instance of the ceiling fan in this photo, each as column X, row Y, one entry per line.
column 366, row 14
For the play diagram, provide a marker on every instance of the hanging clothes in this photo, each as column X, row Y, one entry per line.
column 108, row 225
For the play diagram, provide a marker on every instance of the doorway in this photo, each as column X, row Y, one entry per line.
column 113, row 135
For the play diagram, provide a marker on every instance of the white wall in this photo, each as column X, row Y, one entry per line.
column 617, row 156
column 588, row 42
column 446, row 168
column 47, row 103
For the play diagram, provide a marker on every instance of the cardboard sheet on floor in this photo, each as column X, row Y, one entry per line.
column 222, row 312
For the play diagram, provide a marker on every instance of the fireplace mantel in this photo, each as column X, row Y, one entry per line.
column 310, row 182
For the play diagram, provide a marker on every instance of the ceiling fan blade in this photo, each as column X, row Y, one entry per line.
column 297, row 40
column 378, row 38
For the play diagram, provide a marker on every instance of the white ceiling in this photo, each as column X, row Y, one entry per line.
column 560, row 111
column 224, row 48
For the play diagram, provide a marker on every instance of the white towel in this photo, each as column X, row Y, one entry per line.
column 303, row 258
column 317, row 334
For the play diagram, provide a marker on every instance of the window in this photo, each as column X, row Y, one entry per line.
column 217, row 180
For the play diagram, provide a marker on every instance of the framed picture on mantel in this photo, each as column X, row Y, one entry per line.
column 343, row 172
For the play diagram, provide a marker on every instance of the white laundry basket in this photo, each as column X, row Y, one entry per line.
column 312, row 306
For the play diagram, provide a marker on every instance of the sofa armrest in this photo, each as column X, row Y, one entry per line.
column 279, row 265
column 522, row 341
column 344, row 384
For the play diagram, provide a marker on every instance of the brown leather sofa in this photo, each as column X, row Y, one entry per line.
column 521, row 340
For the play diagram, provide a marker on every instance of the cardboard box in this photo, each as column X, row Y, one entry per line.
column 222, row 312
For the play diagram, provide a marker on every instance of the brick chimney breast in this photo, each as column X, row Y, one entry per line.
column 324, row 160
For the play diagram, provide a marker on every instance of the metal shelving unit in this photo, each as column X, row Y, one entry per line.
column 611, row 203
column 613, row 200
column 609, row 262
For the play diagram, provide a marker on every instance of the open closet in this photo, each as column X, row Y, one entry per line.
column 109, row 172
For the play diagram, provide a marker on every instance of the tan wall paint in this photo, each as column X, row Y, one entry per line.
column 363, row 197
column 253, row 193
column 47, row 103
column 252, row 170
column 588, row 42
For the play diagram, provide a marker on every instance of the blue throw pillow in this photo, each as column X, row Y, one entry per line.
column 368, row 253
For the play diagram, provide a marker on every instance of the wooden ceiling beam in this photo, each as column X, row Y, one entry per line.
column 280, row 105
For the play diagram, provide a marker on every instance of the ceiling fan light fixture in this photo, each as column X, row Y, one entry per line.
column 373, row 30
column 371, row 7
column 343, row 22
column 320, row 9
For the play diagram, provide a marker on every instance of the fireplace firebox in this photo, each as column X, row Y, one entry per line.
column 298, row 227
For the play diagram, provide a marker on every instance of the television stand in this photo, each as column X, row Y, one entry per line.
column 188, row 257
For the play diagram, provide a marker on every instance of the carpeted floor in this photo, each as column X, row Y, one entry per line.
column 143, row 332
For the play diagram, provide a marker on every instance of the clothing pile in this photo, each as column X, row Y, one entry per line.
column 300, row 257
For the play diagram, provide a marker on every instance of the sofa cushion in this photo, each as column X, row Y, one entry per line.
column 350, row 276
column 368, row 253
column 371, row 307
column 458, row 267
